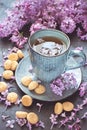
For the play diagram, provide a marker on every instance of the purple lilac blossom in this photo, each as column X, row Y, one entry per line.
column 76, row 124
column 68, row 25
column 7, row 103
column 18, row 39
column 72, row 116
column 39, row 106
column 83, row 89
column 4, row 94
column 53, row 119
column 4, row 117
column 64, row 122
column 65, row 81
column 18, row 102
column 84, row 102
column 40, row 124
column 79, row 107
column 10, row 123
column 29, row 126
column 84, row 116
column 63, row 114
column 2, row 98
column 21, row 121
column 79, row 48
column 37, row 26
column 30, row 69
column 51, row 13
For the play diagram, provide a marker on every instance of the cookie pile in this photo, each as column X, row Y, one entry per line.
column 11, row 64
column 33, row 85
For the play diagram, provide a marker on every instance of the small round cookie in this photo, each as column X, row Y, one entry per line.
column 33, row 85
column 7, row 74
column 68, row 106
column 26, row 80
column 58, row 108
column 14, row 65
column 40, row 89
column 12, row 97
column 3, row 86
column 32, row 118
column 21, row 114
column 26, row 100
column 20, row 54
column 13, row 56
column 7, row 64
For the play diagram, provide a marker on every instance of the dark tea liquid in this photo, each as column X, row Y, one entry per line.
column 49, row 46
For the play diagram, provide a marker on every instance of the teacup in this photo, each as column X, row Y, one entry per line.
column 48, row 57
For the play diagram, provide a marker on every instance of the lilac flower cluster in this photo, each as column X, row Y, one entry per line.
column 10, row 123
column 21, row 121
column 71, row 121
column 53, row 119
column 64, row 82
column 83, row 89
column 3, row 98
column 3, row 95
column 18, row 38
column 66, row 15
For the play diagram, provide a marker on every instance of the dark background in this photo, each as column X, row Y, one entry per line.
column 47, row 107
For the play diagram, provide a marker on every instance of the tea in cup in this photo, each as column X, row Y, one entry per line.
column 49, row 50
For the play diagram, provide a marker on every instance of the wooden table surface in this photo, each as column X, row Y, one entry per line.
column 47, row 107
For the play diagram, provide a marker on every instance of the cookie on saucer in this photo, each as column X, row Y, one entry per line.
column 40, row 89
column 33, row 85
column 26, row 80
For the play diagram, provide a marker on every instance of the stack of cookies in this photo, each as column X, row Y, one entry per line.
column 11, row 64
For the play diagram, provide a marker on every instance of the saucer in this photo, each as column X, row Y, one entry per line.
column 23, row 70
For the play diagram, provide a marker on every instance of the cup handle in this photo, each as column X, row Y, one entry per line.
column 72, row 54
